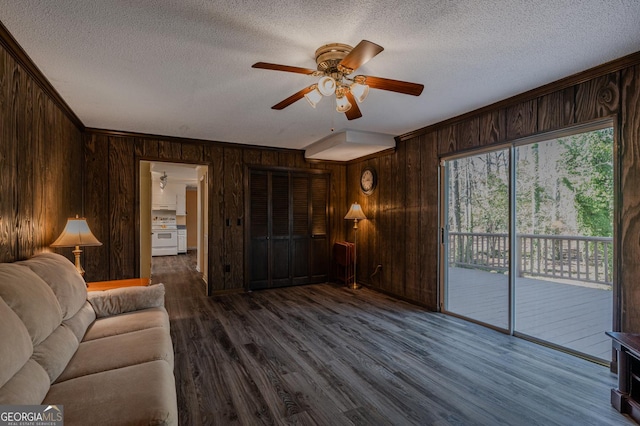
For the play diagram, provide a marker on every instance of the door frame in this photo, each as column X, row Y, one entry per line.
column 138, row 212
column 598, row 124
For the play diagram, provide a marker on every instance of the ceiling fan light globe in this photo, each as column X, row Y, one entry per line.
column 343, row 104
column 359, row 91
column 327, row 85
column 313, row 97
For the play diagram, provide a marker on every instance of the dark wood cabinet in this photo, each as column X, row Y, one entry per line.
column 287, row 241
column 626, row 397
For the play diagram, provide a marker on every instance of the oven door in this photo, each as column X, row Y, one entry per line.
column 164, row 242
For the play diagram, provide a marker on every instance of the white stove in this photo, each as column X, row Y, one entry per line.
column 164, row 233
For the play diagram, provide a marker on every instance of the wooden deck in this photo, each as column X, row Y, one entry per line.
column 571, row 316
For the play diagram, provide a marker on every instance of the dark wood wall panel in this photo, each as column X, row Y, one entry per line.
column 96, row 184
column 492, row 127
column 111, row 199
column 234, row 217
column 447, row 141
column 597, row 98
column 629, row 203
column 9, row 159
column 413, row 161
column 214, row 155
column 428, row 245
column 192, row 153
column 522, row 119
column 122, row 196
column 169, row 150
column 40, row 165
column 551, row 111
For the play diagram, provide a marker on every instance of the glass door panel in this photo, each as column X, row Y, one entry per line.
column 564, row 239
column 476, row 190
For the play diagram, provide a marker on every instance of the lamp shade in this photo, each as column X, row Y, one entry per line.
column 327, row 86
column 343, row 104
column 313, row 97
column 359, row 91
column 355, row 212
column 76, row 233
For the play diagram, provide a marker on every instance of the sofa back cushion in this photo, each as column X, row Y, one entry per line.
column 22, row 380
column 31, row 299
column 16, row 347
column 63, row 278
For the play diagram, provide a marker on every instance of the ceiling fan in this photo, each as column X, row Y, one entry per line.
column 335, row 64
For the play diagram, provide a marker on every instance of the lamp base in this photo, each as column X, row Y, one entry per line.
column 77, row 252
column 354, row 286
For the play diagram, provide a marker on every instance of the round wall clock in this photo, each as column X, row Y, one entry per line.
column 368, row 180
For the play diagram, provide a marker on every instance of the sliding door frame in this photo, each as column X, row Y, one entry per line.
column 599, row 124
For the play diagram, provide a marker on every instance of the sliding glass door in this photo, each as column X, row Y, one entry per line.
column 527, row 239
column 564, row 234
column 477, row 233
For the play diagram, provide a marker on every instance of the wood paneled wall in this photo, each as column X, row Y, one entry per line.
column 40, row 163
column 112, row 200
column 402, row 231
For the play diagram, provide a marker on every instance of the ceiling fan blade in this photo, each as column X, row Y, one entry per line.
column 293, row 98
column 398, row 86
column 286, row 68
column 362, row 53
column 354, row 111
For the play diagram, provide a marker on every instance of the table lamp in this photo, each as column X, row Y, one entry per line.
column 76, row 234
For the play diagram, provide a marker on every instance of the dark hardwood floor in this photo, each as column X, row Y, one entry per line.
column 326, row 355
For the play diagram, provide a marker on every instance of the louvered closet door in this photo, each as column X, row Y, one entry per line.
column 288, row 241
column 319, row 256
column 258, row 253
column 280, row 234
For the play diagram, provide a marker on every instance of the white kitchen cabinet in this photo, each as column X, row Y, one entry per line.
column 181, row 202
column 164, row 199
column 182, row 240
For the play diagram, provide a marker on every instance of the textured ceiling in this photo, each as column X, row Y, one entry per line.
column 183, row 67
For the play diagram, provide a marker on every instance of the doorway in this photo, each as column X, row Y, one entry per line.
column 528, row 239
column 170, row 211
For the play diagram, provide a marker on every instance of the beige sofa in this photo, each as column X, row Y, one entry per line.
column 106, row 357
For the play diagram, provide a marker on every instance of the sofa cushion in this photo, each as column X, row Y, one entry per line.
column 133, row 348
column 63, row 278
column 31, row 299
column 142, row 394
column 27, row 387
column 55, row 352
column 126, row 323
column 81, row 321
column 15, row 343
column 126, row 299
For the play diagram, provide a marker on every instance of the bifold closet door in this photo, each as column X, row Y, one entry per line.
column 288, row 229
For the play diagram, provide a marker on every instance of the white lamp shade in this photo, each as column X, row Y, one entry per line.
column 313, row 97
column 359, row 91
column 76, row 233
column 327, row 86
column 343, row 104
column 355, row 212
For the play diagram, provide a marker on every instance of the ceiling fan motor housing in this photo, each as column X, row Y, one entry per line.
column 329, row 56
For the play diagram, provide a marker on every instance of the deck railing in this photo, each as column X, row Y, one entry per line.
column 587, row 259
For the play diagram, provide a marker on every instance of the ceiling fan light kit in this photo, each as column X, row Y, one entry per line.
column 327, row 85
column 313, row 97
column 335, row 63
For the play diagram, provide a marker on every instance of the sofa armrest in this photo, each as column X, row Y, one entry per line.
column 126, row 299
